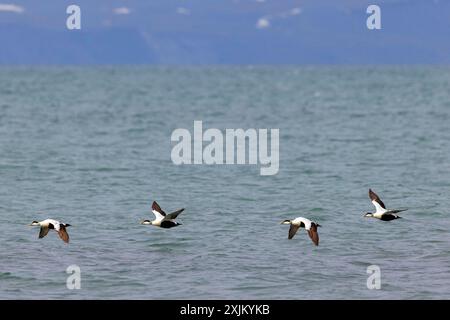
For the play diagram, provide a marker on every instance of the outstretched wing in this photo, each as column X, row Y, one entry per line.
column 63, row 234
column 157, row 211
column 292, row 231
column 379, row 205
column 396, row 210
column 43, row 232
column 174, row 214
column 312, row 232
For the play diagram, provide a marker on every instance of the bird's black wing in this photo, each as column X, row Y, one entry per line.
column 292, row 231
column 396, row 210
column 63, row 234
column 43, row 232
column 174, row 214
column 374, row 197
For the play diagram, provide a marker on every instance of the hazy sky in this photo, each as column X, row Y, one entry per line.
column 224, row 32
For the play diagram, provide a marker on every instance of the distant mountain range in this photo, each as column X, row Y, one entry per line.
column 184, row 32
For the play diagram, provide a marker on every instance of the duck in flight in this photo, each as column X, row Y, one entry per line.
column 162, row 219
column 307, row 224
column 382, row 213
column 50, row 224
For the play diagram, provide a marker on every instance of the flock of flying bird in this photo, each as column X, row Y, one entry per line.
column 167, row 220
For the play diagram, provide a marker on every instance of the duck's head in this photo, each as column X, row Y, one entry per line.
column 146, row 222
column 34, row 224
column 368, row 215
column 287, row 221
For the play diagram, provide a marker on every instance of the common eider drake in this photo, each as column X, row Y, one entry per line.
column 51, row 224
column 162, row 219
column 382, row 213
column 307, row 224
